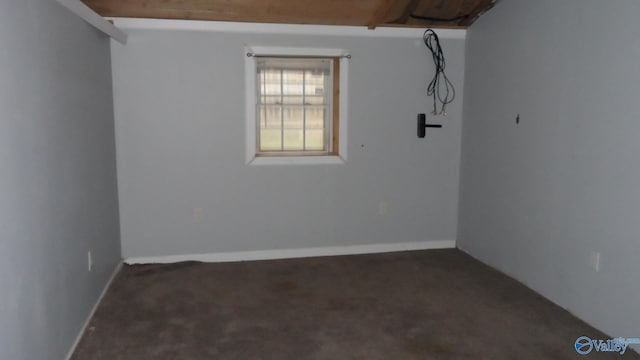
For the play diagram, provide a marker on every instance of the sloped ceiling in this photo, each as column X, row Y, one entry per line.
column 371, row 13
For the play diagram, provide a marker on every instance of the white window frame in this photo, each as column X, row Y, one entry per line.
column 251, row 99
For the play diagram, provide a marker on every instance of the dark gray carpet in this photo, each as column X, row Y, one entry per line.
column 414, row 305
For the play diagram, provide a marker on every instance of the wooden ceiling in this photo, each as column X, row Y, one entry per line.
column 371, row 13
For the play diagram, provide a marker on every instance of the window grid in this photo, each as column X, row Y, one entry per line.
column 264, row 104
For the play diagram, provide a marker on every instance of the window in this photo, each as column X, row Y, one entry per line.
column 295, row 106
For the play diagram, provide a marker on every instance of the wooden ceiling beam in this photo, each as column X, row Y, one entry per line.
column 320, row 12
column 411, row 7
column 481, row 7
column 370, row 13
column 381, row 13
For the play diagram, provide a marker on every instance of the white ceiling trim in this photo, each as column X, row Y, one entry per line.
column 290, row 29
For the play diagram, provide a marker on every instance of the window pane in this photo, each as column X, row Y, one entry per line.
column 315, row 117
column 293, row 139
column 271, row 99
column 270, row 117
column 315, row 139
column 293, row 117
column 314, row 88
column 292, row 86
column 272, row 76
column 314, row 100
column 270, row 140
column 269, row 86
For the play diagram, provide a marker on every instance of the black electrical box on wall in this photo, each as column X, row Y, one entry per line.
column 422, row 125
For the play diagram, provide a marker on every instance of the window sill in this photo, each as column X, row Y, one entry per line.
column 296, row 160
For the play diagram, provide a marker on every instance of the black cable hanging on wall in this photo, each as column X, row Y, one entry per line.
column 440, row 88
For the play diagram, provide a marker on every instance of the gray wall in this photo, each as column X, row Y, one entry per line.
column 180, row 130
column 538, row 197
column 58, row 196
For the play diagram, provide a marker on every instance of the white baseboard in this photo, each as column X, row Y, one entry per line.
column 295, row 253
column 93, row 310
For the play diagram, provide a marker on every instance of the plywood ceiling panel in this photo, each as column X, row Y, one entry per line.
column 372, row 13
